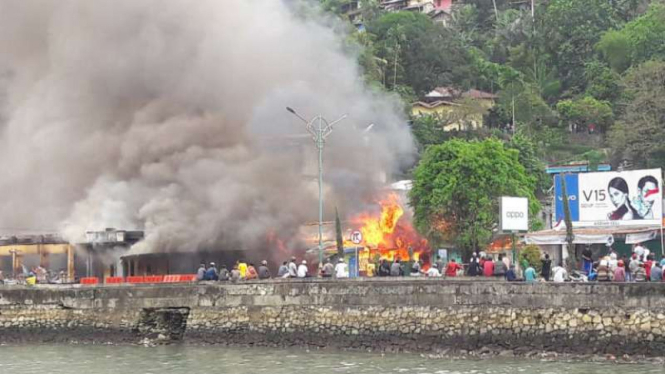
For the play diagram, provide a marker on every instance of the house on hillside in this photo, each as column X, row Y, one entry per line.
column 458, row 110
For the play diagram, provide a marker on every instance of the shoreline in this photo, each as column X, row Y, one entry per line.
column 482, row 354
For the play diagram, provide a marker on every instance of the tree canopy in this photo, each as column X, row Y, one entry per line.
column 456, row 190
column 417, row 52
column 638, row 137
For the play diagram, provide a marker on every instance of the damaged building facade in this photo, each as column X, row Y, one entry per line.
column 98, row 256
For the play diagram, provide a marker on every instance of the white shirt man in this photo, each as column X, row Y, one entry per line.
column 433, row 272
column 639, row 251
column 559, row 274
column 293, row 268
column 613, row 262
column 302, row 270
column 341, row 269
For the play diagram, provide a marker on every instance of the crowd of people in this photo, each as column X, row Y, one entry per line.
column 288, row 269
column 641, row 266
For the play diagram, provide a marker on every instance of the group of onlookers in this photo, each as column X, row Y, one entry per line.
column 641, row 266
column 241, row 270
column 289, row 269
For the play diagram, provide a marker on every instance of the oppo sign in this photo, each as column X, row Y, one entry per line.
column 514, row 214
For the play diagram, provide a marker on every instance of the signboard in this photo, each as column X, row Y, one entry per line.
column 612, row 198
column 357, row 237
column 514, row 214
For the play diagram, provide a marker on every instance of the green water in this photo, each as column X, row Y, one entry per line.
column 56, row 359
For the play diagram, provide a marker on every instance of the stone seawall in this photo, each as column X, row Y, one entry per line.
column 380, row 314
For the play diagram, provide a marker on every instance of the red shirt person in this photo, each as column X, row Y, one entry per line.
column 488, row 268
column 451, row 268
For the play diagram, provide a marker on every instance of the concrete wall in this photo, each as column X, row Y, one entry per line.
column 413, row 314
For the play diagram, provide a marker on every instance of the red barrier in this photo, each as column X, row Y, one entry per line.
column 153, row 279
column 187, row 278
column 114, row 280
column 90, row 280
column 135, row 279
column 173, row 278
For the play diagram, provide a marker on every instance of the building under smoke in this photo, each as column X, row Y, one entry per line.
column 149, row 115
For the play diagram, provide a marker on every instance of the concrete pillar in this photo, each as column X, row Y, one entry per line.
column 70, row 263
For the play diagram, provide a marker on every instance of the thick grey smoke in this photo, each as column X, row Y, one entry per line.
column 169, row 116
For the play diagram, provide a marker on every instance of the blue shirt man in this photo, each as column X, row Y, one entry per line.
column 530, row 274
column 211, row 273
column 656, row 273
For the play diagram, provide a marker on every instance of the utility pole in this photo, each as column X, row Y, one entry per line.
column 319, row 128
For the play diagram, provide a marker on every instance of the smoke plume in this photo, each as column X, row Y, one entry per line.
column 169, row 116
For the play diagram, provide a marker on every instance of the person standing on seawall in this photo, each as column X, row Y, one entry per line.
column 488, row 267
column 656, row 273
column 500, row 268
column 587, row 260
column 474, row 266
column 620, row 272
column 547, row 267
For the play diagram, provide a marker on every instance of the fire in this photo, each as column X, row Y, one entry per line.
column 389, row 234
column 376, row 231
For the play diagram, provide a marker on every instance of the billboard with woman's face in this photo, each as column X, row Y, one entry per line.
column 612, row 198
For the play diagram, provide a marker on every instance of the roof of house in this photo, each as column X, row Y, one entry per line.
column 434, row 104
column 438, row 12
column 449, row 92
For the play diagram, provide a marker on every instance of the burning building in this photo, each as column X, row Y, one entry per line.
column 162, row 114
column 387, row 233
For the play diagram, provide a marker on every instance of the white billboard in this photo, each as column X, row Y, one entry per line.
column 514, row 214
column 612, row 198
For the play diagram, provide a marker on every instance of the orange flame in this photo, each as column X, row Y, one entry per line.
column 389, row 234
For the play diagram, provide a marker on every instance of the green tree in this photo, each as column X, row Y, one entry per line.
column 572, row 29
column 602, row 82
column 339, row 239
column 529, row 157
column 638, row 136
column 616, row 49
column 531, row 254
column 457, row 186
column 638, row 41
column 583, row 112
column 420, row 53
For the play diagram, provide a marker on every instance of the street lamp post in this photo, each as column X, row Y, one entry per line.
column 319, row 128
